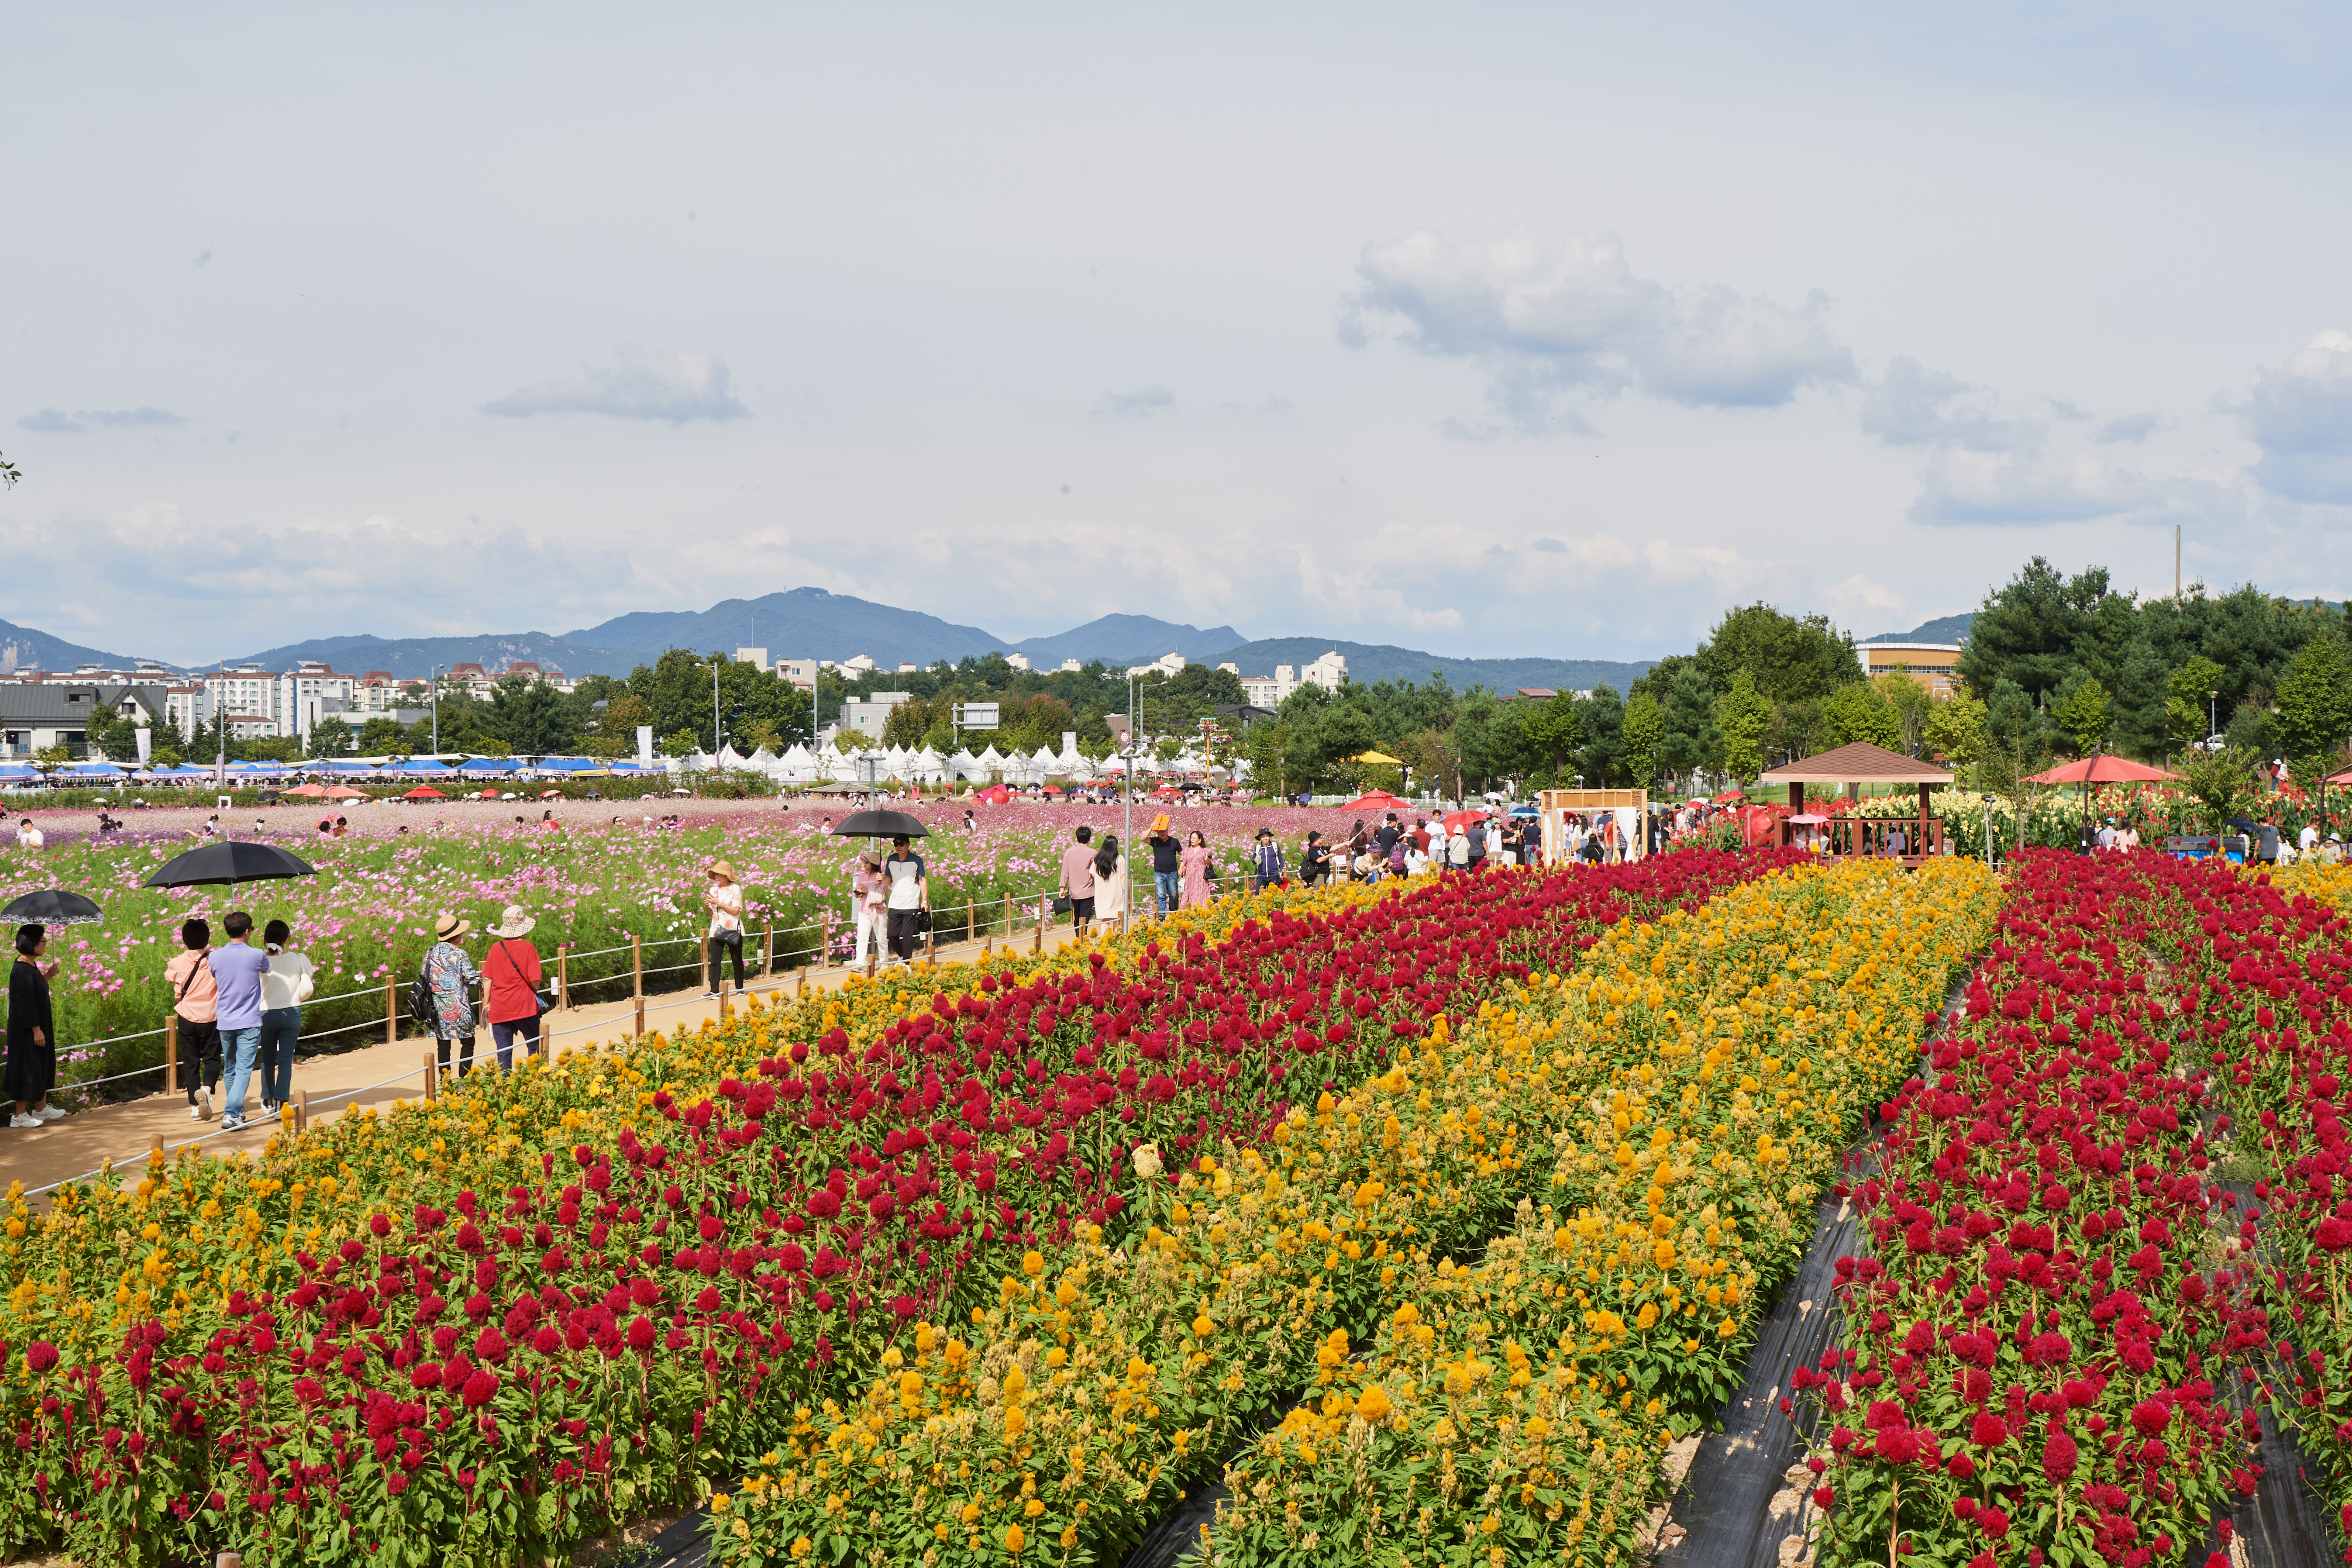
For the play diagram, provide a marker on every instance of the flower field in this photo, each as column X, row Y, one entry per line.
column 483, row 1328
column 369, row 912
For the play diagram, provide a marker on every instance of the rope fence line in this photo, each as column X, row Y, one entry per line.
column 1010, row 900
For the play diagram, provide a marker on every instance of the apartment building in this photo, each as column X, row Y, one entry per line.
column 1270, row 691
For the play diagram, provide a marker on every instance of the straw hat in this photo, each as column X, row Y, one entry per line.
column 512, row 921
column 450, row 928
column 722, row 868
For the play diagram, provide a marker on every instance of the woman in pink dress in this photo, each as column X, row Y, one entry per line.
column 1194, row 868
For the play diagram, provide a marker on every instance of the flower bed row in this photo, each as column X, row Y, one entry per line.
column 2039, row 1341
column 1108, row 1375
column 495, row 1324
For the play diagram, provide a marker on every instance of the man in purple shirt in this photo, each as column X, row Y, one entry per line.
column 237, row 975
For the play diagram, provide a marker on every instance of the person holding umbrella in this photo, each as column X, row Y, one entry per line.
column 910, row 894
column 237, row 971
column 32, row 1069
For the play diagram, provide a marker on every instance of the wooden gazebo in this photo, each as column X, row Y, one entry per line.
column 1908, row 839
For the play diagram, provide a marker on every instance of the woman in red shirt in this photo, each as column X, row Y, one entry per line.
column 511, row 976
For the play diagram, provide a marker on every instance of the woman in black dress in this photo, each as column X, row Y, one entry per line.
column 31, row 1032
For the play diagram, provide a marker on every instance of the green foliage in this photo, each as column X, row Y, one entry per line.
column 1859, row 712
column 2189, row 696
column 1554, row 728
column 1644, row 727
column 1741, row 713
column 1788, row 658
column 1909, row 700
column 1602, row 760
column 2028, row 631
column 531, row 717
column 2315, row 700
column 2222, row 783
column 2082, row 713
column 1955, row 729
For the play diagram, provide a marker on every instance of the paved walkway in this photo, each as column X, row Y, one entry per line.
column 373, row 1075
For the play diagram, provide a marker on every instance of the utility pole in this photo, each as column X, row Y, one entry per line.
column 437, row 712
column 1127, row 780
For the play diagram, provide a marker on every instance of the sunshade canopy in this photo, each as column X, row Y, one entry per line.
column 2102, row 770
column 1860, row 763
column 880, row 825
column 233, row 860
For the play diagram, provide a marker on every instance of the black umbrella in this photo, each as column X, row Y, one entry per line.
column 880, row 825
column 232, row 861
column 51, row 907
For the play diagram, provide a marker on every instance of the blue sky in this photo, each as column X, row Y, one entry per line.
column 1490, row 330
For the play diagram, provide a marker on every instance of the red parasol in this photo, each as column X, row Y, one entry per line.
column 1377, row 800
column 424, row 792
column 2103, row 769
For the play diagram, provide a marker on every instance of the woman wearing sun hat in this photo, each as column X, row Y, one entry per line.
column 450, row 975
column 724, row 899
column 511, row 977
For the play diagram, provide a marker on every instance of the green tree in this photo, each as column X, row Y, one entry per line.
column 532, row 717
column 1644, row 727
column 1910, row 702
column 2082, row 713
column 2188, row 706
column 2222, row 783
column 382, row 736
column 1602, row 759
column 107, row 735
column 2315, row 699
column 1955, row 729
column 1788, row 657
column 2028, row 631
column 1857, row 712
column 682, row 743
column 1554, row 728
column 1741, row 713
column 2138, row 721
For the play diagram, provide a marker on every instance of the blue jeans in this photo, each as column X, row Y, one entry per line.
column 239, row 1048
column 280, row 1028
column 506, row 1035
column 1170, row 887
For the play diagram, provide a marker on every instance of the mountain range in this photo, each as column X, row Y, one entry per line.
column 809, row 622
column 1943, row 628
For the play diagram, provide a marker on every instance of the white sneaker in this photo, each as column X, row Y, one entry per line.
column 231, row 1124
column 195, row 1111
column 204, row 1104
column 50, row 1114
column 25, row 1121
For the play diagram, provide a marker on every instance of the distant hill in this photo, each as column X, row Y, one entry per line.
column 22, row 647
column 1944, row 628
column 1369, row 662
column 1129, row 639
column 407, row 657
column 802, row 622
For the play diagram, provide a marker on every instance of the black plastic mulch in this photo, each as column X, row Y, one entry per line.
column 1725, row 1503
column 682, row 1545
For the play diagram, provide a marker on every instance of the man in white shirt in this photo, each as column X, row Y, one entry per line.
column 2308, row 839
column 28, row 835
column 910, row 895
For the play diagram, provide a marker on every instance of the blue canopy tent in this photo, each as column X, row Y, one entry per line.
column 420, row 765
column 486, row 765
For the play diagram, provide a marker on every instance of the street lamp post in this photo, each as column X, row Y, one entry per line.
column 2213, row 720
column 436, row 712
column 1127, row 785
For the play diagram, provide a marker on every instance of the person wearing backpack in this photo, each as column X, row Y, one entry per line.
column 196, row 1002
column 446, row 987
column 511, row 976
column 1266, row 862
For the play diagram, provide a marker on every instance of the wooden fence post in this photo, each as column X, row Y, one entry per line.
column 155, row 1149
column 971, row 920
column 1043, row 905
column 641, row 1015
column 432, row 1075
column 172, row 1053
column 562, row 977
column 803, row 987
column 931, row 948
column 390, row 1012
column 637, row 975
column 768, row 947
column 1008, row 915
column 302, row 1108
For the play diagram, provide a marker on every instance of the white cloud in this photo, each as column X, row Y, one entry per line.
column 2030, row 486
column 1916, row 406
column 644, row 383
column 2125, row 427
column 57, row 421
column 2301, row 417
column 1859, row 593
column 1140, row 404
column 1547, row 318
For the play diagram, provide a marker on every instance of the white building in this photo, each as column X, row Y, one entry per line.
column 757, row 657
column 289, row 703
column 1017, row 660
column 1329, row 672
column 867, row 716
column 1168, row 664
column 801, row 672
